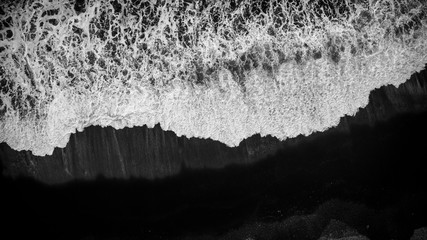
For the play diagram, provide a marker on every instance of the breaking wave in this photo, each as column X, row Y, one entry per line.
column 223, row 70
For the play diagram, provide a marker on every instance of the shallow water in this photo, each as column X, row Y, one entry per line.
column 373, row 179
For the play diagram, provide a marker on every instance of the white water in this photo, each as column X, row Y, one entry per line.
column 291, row 98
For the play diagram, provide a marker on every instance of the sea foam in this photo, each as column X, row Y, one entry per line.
column 218, row 70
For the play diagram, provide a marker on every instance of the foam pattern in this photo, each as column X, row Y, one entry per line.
column 223, row 70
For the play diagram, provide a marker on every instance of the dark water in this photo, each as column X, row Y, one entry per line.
column 374, row 179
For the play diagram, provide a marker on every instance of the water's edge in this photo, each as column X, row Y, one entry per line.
column 153, row 153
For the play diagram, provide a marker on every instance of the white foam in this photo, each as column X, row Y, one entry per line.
column 290, row 99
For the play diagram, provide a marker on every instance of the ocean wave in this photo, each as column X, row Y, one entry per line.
column 224, row 70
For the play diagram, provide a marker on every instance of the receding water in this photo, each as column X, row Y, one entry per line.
column 373, row 179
